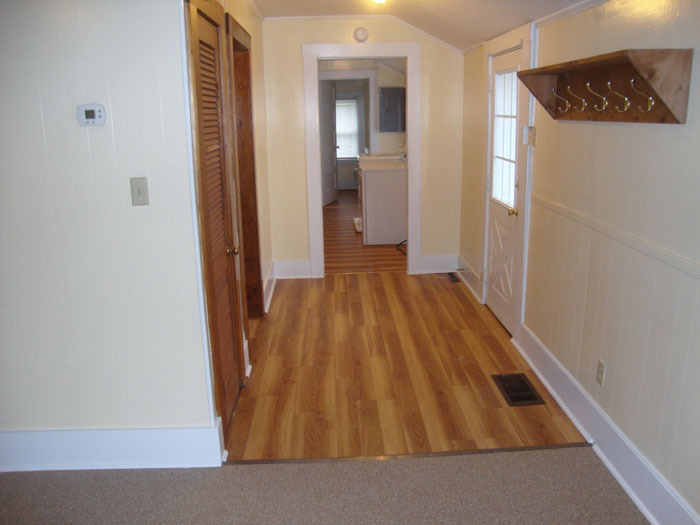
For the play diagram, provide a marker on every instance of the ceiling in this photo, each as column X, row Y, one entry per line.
column 460, row 23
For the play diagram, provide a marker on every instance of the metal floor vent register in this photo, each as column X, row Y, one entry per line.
column 453, row 277
column 517, row 390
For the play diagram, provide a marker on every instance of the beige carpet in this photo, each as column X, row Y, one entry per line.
column 565, row 486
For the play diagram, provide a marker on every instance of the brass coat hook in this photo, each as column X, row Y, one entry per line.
column 603, row 98
column 650, row 99
column 623, row 97
column 583, row 100
column 568, row 104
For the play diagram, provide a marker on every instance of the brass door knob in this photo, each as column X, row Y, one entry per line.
column 232, row 250
column 513, row 211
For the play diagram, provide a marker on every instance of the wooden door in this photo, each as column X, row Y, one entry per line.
column 214, row 198
column 329, row 157
column 504, row 285
column 239, row 44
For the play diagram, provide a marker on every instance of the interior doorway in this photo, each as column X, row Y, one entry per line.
column 313, row 55
column 362, row 138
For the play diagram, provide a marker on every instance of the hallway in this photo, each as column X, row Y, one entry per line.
column 343, row 248
column 383, row 364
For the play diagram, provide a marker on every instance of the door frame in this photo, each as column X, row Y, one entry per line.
column 524, row 36
column 251, row 264
column 311, row 54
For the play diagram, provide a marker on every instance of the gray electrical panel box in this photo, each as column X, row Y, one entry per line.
column 392, row 110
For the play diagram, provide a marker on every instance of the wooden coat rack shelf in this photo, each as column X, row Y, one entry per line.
column 633, row 85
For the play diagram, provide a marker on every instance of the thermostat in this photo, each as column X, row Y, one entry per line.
column 91, row 115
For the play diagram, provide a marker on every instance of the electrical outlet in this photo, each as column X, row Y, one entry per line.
column 600, row 374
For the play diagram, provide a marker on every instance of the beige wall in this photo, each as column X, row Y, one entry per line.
column 249, row 16
column 474, row 145
column 591, row 295
column 99, row 305
column 441, row 84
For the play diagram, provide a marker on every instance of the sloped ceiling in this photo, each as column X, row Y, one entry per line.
column 460, row 23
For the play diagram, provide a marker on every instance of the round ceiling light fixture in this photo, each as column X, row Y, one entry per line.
column 379, row 1
column 360, row 34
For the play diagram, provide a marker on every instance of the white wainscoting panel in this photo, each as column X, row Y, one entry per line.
column 598, row 293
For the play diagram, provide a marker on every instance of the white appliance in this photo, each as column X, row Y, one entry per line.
column 384, row 195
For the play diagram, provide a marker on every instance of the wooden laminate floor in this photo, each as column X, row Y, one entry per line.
column 342, row 245
column 380, row 364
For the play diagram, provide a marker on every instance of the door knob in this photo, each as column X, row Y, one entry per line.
column 232, row 250
column 513, row 211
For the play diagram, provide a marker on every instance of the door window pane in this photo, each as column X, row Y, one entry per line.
column 505, row 105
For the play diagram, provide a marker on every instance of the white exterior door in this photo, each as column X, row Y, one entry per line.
column 329, row 159
column 508, row 168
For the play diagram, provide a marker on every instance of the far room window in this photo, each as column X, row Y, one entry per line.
column 347, row 128
column 504, row 137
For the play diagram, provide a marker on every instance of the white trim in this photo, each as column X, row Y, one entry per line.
column 189, row 133
column 293, row 269
column 111, row 448
column 367, row 17
column 656, row 498
column 567, row 11
column 246, row 358
column 438, row 263
column 674, row 259
column 470, row 277
column 311, row 54
column 371, row 75
column 269, row 280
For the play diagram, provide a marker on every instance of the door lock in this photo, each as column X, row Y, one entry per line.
column 513, row 211
column 232, row 250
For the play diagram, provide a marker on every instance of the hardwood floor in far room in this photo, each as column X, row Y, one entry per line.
column 342, row 245
column 375, row 364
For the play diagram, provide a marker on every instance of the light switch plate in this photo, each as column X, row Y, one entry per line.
column 139, row 191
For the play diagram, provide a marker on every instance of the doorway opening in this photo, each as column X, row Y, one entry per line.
column 409, row 55
column 362, row 128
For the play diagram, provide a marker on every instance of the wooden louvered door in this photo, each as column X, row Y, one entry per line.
column 206, row 22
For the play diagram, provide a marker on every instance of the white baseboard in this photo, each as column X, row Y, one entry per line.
column 246, row 358
column 269, row 284
column 438, row 263
column 470, row 278
column 658, row 500
column 111, row 448
column 293, row 269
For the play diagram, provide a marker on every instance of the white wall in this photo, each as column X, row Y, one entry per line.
column 99, row 305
